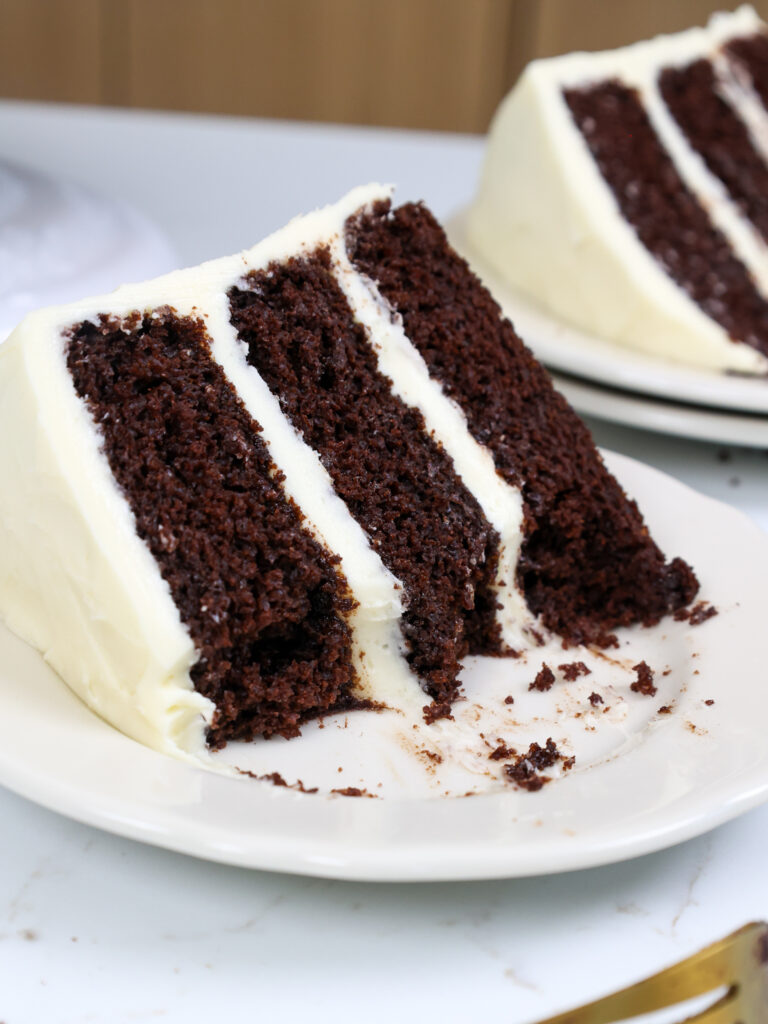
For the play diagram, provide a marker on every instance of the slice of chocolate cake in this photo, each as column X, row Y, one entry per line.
column 627, row 193
column 310, row 476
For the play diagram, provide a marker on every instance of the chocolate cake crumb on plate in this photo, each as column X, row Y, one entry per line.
column 572, row 670
column 644, row 683
column 545, row 677
column 526, row 769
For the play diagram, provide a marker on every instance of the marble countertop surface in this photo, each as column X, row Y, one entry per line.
column 94, row 928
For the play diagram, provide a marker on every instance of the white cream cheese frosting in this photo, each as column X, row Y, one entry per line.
column 546, row 220
column 77, row 582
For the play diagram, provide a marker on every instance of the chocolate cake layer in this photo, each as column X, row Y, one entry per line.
column 397, row 482
column 667, row 218
column 719, row 136
column 752, row 53
column 264, row 604
column 587, row 563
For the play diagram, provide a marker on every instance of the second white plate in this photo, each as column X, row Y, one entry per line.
column 702, row 424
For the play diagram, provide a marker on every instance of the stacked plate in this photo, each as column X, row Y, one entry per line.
column 608, row 382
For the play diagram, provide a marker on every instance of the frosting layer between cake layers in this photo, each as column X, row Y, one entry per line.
column 650, row 233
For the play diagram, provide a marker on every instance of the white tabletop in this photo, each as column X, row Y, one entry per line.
column 100, row 929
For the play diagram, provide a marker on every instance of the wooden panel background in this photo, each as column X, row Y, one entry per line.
column 441, row 64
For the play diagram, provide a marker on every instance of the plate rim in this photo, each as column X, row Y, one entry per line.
column 717, row 426
column 361, row 864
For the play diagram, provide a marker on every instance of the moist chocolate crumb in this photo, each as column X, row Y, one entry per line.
column 665, row 709
column 609, row 640
column 436, row 710
column 433, row 756
column 700, row 612
column 526, row 770
column 502, row 752
column 572, row 670
column 364, row 704
column 544, row 757
column 509, row 700
column 277, row 780
column 644, row 682
column 524, row 777
column 354, row 791
column 709, row 703
column 545, row 677
column 595, row 699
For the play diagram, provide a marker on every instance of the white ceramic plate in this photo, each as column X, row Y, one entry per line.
column 565, row 348
column 663, row 417
column 642, row 781
column 60, row 241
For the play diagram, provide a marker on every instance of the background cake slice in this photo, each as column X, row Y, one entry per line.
column 627, row 192
column 301, row 479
